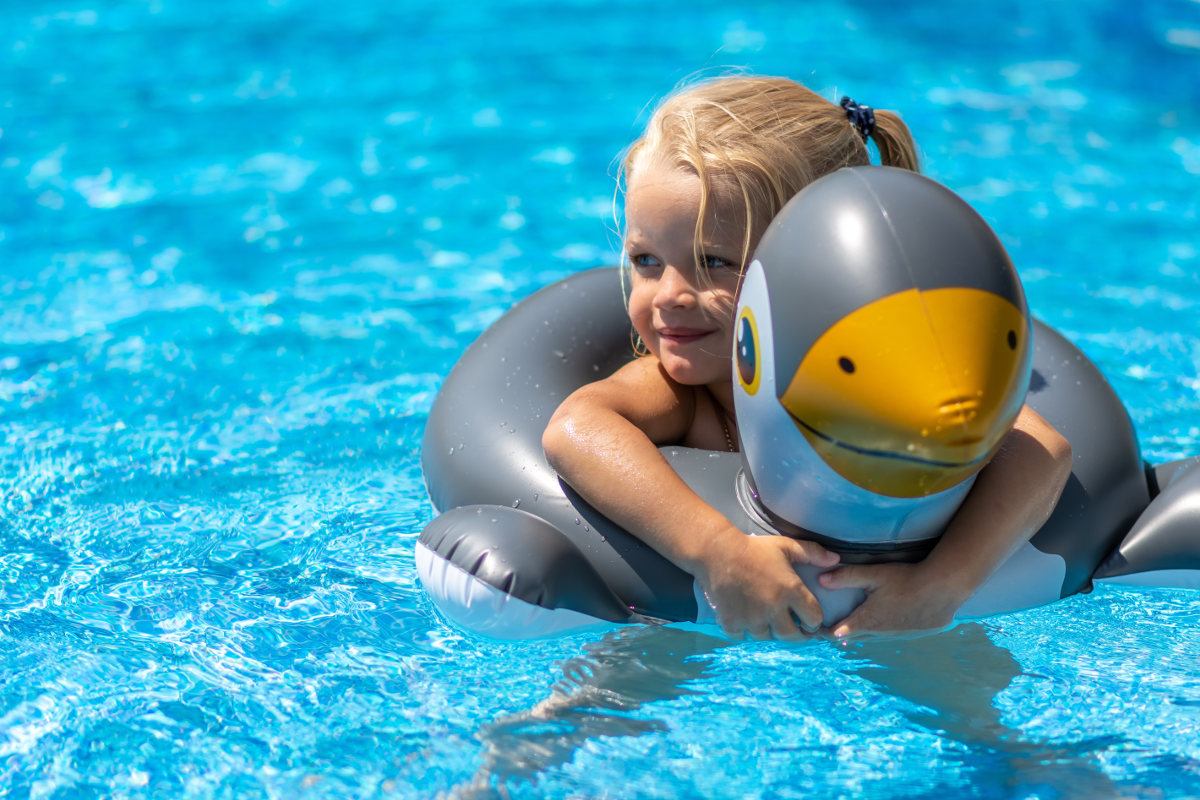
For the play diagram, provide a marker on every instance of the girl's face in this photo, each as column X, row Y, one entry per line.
column 686, row 321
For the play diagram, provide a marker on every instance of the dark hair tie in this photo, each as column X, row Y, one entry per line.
column 861, row 117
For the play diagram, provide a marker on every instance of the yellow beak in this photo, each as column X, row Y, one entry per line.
column 912, row 394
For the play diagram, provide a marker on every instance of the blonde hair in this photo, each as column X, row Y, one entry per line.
column 762, row 138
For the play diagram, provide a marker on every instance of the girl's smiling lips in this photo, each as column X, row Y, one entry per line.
column 683, row 335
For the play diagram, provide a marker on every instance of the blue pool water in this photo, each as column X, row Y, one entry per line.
column 241, row 245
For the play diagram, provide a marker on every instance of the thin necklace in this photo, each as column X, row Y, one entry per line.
column 725, row 430
column 721, row 415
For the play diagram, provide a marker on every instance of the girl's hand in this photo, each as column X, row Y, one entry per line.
column 900, row 598
column 752, row 584
column 1012, row 497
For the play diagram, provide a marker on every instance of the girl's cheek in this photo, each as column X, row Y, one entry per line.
column 724, row 307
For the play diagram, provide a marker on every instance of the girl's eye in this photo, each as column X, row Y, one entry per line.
column 716, row 262
column 643, row 260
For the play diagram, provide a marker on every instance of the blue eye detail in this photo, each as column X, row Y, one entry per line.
column 746, row 351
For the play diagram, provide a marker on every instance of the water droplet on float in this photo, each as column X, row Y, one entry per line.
column 451, row 451
column 517, row 503
column 577, row 520
column 535, row 497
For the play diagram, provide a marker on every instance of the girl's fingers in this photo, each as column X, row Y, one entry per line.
column 849, row 628
column 843, row 631
column 849, row 578
column 784, row 627
column 734, row 630
column 805, row 552
column 807, row 612
column 759, row 633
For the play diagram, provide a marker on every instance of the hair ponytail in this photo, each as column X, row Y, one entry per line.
column 895, row 142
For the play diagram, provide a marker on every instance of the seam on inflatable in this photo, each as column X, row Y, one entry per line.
column 480, row 608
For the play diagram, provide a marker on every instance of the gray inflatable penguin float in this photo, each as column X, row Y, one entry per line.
column 883, row 349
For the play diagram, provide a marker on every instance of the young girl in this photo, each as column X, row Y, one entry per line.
column 716, row 163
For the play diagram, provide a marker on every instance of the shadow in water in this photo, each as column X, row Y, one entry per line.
column 954, row 678
column 620, row 673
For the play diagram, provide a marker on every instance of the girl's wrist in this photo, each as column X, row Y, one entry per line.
column 708, row 547
column 954, row 586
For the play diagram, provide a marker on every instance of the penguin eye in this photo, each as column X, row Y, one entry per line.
column 746, row 351
column 1012, row 340
column 847, row 365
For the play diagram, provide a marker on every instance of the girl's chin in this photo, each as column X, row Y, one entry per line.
column 690, row 374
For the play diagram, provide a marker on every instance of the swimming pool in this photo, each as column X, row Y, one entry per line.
column 241, row 244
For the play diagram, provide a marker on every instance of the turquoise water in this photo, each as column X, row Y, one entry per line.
column 242, row 243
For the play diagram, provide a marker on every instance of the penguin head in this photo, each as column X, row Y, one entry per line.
column 881, row 326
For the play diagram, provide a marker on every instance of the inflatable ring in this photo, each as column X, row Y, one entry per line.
column 515, row 553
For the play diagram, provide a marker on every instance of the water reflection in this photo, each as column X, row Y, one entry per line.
column 955, row 677
column 951, row 680
column 617, row 675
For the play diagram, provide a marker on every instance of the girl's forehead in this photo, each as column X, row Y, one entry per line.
column 657, row 182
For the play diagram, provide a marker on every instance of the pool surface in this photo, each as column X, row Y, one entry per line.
column 242, row 244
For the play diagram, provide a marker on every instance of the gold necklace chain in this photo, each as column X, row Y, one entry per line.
column 723, row 415
column 724, row 418
column 725, row 430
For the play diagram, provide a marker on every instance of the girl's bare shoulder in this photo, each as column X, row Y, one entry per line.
column 642, row 392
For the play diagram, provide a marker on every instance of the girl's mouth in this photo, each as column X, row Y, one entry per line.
column 683, row 335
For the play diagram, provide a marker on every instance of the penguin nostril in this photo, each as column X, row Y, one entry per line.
column 958, row 410
column 956, row 404
column 965, row 441
column 847, row 365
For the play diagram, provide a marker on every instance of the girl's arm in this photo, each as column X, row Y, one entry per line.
column 1012, row 497
column 602, row 441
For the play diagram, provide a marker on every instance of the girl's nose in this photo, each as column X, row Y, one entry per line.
column 675, row 290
